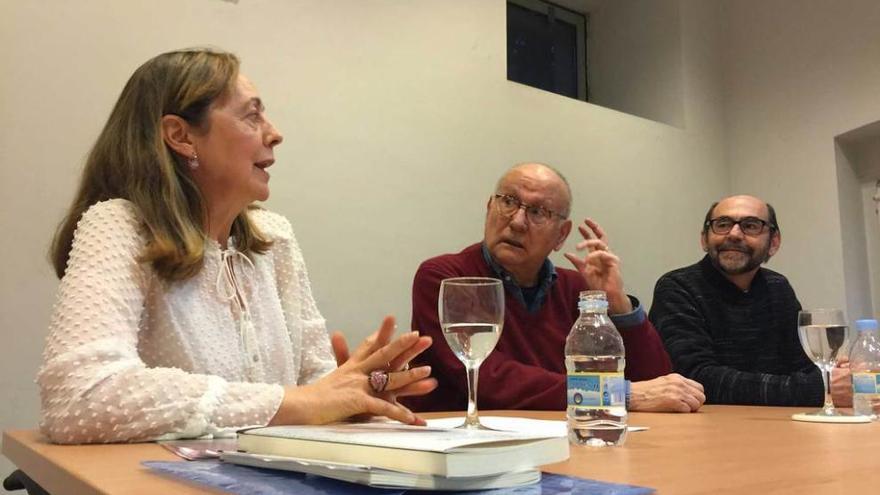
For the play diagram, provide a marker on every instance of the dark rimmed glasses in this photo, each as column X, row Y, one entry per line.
column 749, row 225
column 508, row 206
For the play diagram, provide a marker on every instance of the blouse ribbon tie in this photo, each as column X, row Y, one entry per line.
column 228, row 287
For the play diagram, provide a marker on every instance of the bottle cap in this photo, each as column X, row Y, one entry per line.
column 590, row 295
column 866, row 325
column 593, row 305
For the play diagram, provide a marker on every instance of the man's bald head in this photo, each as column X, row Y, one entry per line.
column 769, row 213
column 551, row 177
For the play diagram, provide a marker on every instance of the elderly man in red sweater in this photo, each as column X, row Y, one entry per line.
column 526, row 219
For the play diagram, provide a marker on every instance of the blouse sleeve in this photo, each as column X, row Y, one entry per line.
column 94, row 387
column 307, row 328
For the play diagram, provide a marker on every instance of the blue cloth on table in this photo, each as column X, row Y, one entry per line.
column 242, row 480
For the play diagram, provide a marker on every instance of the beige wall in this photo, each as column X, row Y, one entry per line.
column 796, row 75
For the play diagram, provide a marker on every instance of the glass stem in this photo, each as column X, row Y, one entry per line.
column 829, row 403
column 472, row 420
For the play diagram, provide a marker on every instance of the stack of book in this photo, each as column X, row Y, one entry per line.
column 393, row 455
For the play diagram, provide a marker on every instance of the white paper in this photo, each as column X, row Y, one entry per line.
column 542, row 427
column 397, row 435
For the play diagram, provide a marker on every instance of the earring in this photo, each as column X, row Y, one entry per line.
column 194, row 162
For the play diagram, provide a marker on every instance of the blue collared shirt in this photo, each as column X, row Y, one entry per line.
column 531, row 297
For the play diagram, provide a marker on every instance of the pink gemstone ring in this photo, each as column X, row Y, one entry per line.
column 378, row 380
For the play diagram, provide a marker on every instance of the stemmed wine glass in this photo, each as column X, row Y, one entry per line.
column 471, row 315
column 824, row 336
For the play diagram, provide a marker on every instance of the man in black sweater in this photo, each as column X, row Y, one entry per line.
column 730, row 324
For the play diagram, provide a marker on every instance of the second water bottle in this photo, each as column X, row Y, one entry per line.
column 595, row 360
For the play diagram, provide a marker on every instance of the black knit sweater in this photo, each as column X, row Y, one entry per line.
column 741, row 345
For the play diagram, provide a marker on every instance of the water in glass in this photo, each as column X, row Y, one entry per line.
column 471, row 342
column 823, row 343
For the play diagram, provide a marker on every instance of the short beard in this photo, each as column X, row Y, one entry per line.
column 756, row 257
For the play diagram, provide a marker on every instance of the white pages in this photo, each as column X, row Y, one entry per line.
column 383, row 478
column 448, row 452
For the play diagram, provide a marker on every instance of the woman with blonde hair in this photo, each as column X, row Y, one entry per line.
column 183, row 309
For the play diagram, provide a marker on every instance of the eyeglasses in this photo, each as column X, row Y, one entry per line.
column 749, row 225
column 508, row 206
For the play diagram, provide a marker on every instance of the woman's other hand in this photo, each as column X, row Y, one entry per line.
column 841, row 384
column 347, row 392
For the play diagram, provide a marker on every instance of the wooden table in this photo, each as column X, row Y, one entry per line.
column 721, row 449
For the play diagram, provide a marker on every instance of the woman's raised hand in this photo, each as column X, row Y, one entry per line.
column 367, row 382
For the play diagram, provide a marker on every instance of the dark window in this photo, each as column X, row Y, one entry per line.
column 546, row 47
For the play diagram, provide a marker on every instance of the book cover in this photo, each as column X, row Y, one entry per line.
column 243, row 480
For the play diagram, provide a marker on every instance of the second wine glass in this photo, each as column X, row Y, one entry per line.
column 824, row 336
column 471, row 311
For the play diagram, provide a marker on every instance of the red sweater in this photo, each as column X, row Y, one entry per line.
column 527, row 368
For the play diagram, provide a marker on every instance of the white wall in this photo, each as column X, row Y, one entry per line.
column 398, row 119
column 797, row 74
column 872, row 240
column 635, row 59
column 859, row 150
column 856, row 275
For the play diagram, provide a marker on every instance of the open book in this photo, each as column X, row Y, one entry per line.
column 410, row 449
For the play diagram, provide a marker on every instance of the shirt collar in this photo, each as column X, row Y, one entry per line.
column 546, row 277
column 719, row 280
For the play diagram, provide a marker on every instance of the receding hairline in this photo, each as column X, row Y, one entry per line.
column 771, row 212
column 557, row 173
column 745, row 196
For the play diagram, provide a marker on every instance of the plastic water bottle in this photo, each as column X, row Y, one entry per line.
column 864, row 362
column 594, row 360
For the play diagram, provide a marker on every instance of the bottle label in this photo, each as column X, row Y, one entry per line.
column 866, row 383
column 596, row 390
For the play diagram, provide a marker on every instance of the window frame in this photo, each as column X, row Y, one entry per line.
column 579, row 20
